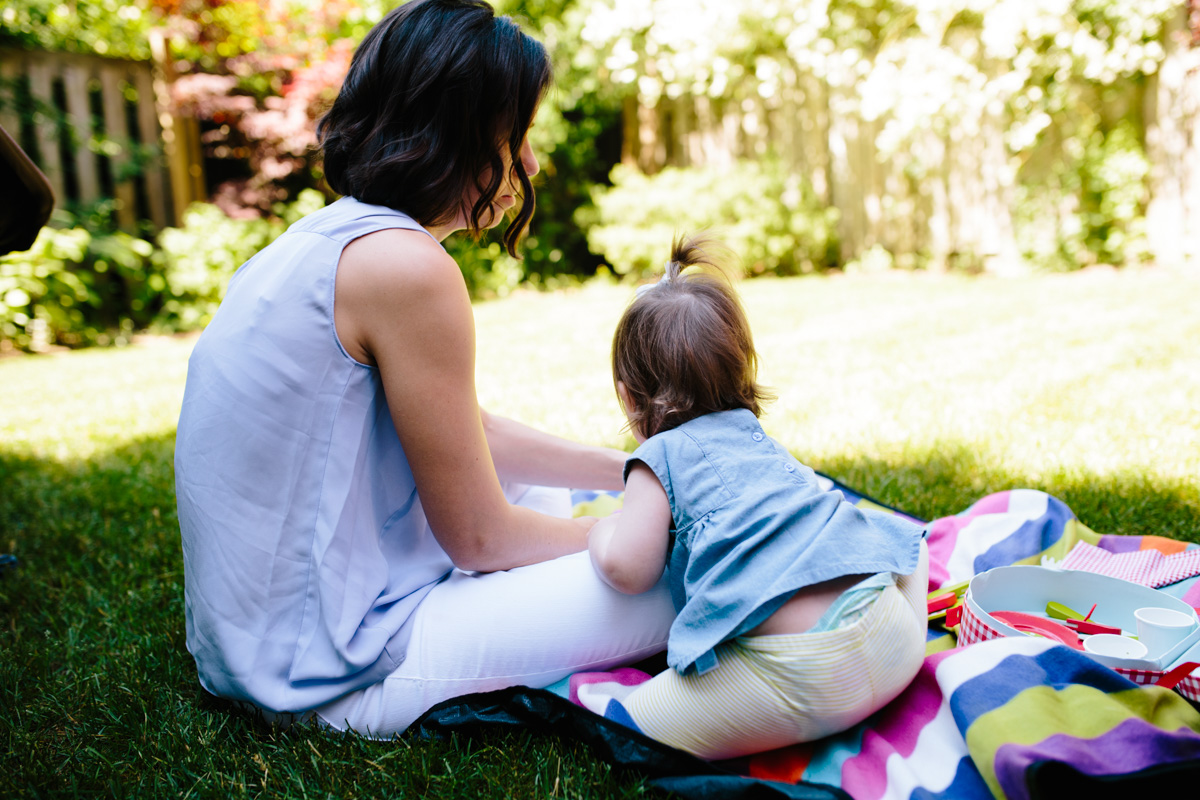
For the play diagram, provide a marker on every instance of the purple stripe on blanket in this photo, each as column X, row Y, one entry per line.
column 1130, row 747
column 1120, row 544
column 1035, row 535
column 968, row 784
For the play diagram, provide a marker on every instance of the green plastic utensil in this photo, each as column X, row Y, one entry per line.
column 1056, row 610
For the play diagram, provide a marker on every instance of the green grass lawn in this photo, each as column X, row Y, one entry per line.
column 925, row 392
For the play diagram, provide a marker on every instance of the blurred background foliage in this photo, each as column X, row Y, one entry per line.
column 998, row 136
column 769, row 217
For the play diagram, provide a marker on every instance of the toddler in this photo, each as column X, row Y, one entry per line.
column 799, row 614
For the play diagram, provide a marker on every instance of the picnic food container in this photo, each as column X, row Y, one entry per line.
column 1026, row 590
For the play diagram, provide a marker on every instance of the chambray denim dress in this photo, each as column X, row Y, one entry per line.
column 753, row 526
column 305, row 547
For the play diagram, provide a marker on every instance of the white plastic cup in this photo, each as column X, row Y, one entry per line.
column 1160, row 629
column 1114, row 645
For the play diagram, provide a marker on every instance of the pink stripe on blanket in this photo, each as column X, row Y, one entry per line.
column 1147, row 567
column 899, row 725
column 1192, row 596
column 943, row 534
column 621, row 676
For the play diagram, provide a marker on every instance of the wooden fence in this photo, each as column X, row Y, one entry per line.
column 958, row 214
column 101, row 129
column 959, row 210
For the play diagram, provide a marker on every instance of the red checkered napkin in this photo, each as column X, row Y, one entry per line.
column 1147, row 567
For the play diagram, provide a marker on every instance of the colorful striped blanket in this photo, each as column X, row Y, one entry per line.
column 1017, row 717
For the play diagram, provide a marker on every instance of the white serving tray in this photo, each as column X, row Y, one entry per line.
column 1029, row 589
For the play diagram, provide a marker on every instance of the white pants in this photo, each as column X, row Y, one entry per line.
column 528, row 626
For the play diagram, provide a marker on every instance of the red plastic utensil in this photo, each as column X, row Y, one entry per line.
column 941, row 601
column 1039, row 626
column 1083, row 626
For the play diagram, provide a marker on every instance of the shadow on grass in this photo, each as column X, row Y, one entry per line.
column 98, row 694
column 946, row 478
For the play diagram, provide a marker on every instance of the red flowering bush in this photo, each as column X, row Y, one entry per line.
column 257, row 74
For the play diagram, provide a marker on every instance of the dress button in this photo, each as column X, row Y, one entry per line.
column 790, row 467
column 757, row 436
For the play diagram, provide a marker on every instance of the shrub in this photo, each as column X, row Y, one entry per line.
column 771, row 218
column 74, row 288
column 487, row 269
column 197, row 261
column 1089, row 208
column 83, row 284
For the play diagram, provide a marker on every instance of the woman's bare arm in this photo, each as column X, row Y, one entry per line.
column 402, row 305
column 527, row 455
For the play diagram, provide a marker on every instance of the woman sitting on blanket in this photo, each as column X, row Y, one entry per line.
column 361, row 541
column 798, row 614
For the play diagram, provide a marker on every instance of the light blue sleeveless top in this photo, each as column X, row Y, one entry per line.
column 753, row 526
column 305, row 547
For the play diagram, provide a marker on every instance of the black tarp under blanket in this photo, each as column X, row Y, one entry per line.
column 667, row 768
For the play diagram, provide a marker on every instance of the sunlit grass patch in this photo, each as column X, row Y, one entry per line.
column 928, row 390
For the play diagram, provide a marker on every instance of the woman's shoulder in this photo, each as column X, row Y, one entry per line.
column 404, row 254
column 395, row 285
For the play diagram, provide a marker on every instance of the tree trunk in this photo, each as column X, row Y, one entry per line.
column 1172, row 106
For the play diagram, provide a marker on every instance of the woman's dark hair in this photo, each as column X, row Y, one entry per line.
column 433, row 91
column 683, row 347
